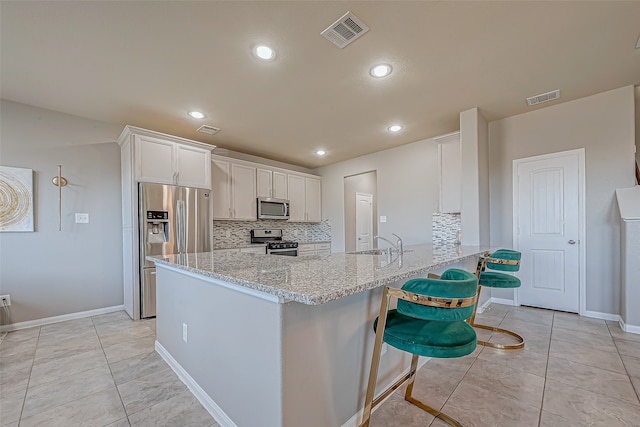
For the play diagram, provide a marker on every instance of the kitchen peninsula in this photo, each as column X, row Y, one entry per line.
column 283, row 341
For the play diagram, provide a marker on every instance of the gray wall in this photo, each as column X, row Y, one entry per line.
column 638, row 125
column 407, row 191
column 361, row 183
column 50, row 272
column 604, row 125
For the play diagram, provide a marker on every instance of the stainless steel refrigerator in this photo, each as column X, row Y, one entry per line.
column 173, row 220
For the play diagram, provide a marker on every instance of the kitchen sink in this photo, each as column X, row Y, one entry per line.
column 377, row 252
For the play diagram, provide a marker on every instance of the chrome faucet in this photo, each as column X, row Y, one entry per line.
column 398, row 243
column 386, row 240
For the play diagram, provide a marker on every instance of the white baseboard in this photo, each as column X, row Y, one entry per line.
column 61, row 318
column 632, row 329
column 495, row 300
column 603, row 316
column 355, row 420
column 216, row 412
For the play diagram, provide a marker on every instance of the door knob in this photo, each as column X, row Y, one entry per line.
column 572, row 242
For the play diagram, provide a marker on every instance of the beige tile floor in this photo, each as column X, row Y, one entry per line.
column 98, row 371
column 573, row 372
column 103, row 371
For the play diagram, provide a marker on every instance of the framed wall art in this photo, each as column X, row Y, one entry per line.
column 16, row 199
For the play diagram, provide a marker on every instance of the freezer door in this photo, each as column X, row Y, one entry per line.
column 197, row 220
column 148, row 296
column 157, row 237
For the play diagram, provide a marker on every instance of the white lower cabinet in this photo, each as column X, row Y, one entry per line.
column 314, row 249
column 262, row 250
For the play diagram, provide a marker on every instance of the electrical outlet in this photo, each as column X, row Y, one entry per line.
column 82, row 218
column 383, row 218
column 5, row 300
column 228, row 233
column 185, row 332
column 385, row 346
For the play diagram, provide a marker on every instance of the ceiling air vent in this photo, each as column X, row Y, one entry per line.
column 345, row 30
column 208, row 129
column 549, row 96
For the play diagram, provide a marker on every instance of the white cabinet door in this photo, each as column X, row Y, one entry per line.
column 265, row 183
column 279, row 185
column 221, row 189
column 312, row 200
column 193, row 167
column 296, row 191
column 154, row 160
column 450, row 164
column 243, row 192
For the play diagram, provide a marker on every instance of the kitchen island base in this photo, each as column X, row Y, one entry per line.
column 253, row 358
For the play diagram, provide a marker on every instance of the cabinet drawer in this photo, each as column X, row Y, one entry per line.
column 320, row 246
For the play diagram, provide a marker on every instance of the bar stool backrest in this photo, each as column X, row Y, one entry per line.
column 453, row 284
column 504, row 254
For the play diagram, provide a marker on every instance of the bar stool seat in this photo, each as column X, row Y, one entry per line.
column 442, row 339
column 499, row 280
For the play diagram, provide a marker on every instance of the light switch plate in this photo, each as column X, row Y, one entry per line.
column 383, row 218
column 82, row 218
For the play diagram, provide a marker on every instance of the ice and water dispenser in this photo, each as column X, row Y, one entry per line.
column 157, row 227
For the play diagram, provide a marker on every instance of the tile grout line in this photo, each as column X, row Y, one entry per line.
column 111, row 372
column 29, row 380
column 624, row 365
column 546, row 369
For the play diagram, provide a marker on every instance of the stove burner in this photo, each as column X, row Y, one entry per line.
column 282, row 245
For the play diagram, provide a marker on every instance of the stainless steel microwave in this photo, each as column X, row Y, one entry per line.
column 269, row 208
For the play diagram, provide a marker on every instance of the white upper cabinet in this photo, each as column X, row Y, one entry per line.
column 237, row 183
column 193, row 167
column 234, row 190
column 297, row 209
column 280, row 185
column 166, row 162
column 221, row 189
column 450, row 168
column 243, row 192
column 271, row 183
column 304, row 198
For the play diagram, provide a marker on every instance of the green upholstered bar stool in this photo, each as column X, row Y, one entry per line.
column 498, row 262
column 430, row 321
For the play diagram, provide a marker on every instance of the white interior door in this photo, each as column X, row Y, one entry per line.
column 364, row 221
column 547, row 213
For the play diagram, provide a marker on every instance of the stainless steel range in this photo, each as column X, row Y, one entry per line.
column 273, row 239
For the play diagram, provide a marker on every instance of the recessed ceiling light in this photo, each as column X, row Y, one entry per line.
column 394, row 128
column 381, row 70
column 197, row 114
column 321, row 152
column 264, row 52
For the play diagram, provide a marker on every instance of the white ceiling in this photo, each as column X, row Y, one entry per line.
column 148, row 63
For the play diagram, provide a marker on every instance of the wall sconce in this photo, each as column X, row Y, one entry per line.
column 59, row 181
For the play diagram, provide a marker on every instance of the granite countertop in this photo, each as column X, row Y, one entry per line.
column 317, row 279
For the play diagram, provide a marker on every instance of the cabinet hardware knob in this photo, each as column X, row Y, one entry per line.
column 572, row 242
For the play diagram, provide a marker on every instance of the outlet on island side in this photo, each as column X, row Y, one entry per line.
column 384, row 348
column 185, row 332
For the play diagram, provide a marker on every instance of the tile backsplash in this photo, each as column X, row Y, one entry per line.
column 229, row 234
column 445, row 227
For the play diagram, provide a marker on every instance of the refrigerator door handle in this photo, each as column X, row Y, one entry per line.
column 179, row 226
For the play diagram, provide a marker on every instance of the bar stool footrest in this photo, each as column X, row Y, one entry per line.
column 520, row 344
column 444, row 417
